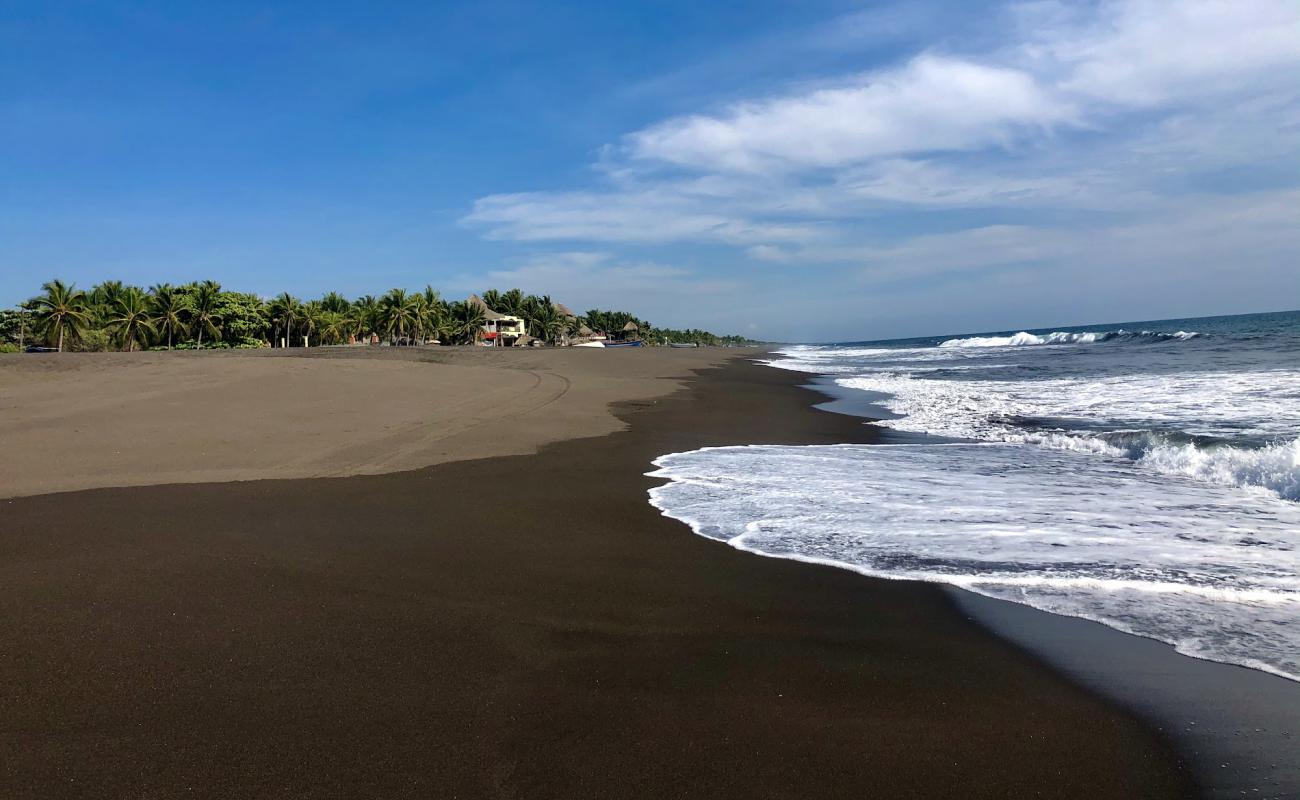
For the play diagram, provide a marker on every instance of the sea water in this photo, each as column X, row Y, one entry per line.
column 1144, row 475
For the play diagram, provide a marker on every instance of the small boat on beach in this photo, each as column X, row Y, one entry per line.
column 633, row 343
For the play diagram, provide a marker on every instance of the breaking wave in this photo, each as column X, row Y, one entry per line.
column 1064, row 337
column 1172, row 424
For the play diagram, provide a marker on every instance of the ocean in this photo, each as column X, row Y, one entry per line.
column 1145, row 475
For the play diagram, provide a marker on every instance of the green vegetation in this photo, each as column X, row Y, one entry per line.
column 203, row 315
column 699, row 337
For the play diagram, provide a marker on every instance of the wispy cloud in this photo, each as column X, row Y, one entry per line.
column 932, row 103
column 660, row 213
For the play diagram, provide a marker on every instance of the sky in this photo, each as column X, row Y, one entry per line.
column 797, row 171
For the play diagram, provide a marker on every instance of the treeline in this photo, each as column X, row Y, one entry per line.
column 204, row 315
column 698, row 337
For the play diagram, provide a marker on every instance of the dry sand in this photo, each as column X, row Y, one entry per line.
column 87, row 420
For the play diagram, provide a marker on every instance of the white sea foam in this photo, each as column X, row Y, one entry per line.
column 833, row 360
column 1139, row 411
column 1062, row 337
column 1212, row 571
column 1263, row 405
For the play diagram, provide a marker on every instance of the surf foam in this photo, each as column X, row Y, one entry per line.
column 1023, row 338
column 1143, row 417
column 1206, row 569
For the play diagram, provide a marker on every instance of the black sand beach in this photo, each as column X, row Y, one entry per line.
column 517, row 626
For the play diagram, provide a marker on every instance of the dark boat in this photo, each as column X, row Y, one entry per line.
column 634, row 343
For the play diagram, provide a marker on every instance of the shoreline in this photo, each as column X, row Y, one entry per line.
column 1236, row 726
column 406, row 632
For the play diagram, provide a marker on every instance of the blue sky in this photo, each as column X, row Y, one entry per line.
column 792, row 170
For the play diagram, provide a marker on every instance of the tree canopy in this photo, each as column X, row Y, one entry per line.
column 114, row 315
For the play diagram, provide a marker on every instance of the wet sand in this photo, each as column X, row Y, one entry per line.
column 514, row 626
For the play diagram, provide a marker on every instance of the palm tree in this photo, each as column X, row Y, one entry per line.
column 492, row 298
column 547, row 324
column 311, row 320
column 419, row 316
column 334, row 327
column 467, row 322
column 512, row 303
column 399, row 311
column 203, row 310
column 61, row 312
column 366, row 314
column 431, row 312
column 130, row 321
column 333, row 301
column 285, row 310
column 169, row 311
column 441, row 322
column 103, row 298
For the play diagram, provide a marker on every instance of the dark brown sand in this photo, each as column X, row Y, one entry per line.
column 521, row 626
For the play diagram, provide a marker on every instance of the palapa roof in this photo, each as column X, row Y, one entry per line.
column 583, row 330
column 563, row 310
column 631, row 326
column 488, row 313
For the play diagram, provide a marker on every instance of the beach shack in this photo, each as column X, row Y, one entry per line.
column 499, row 330
column 585, row 335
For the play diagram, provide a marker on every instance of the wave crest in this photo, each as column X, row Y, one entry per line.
column 1024, row 338
column 1275, row 468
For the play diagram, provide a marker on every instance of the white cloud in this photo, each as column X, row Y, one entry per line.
column 1188, row 240
column 932, row 103
column 1229, row 238
column 931, row 183
column 662, row 214
column 1157, row 52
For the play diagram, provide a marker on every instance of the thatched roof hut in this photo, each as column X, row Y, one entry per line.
column 630, row 327
column 564, row 311
column 583, row 330
column 488, row 314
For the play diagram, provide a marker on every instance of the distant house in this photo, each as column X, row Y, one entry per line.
column 499, row 330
